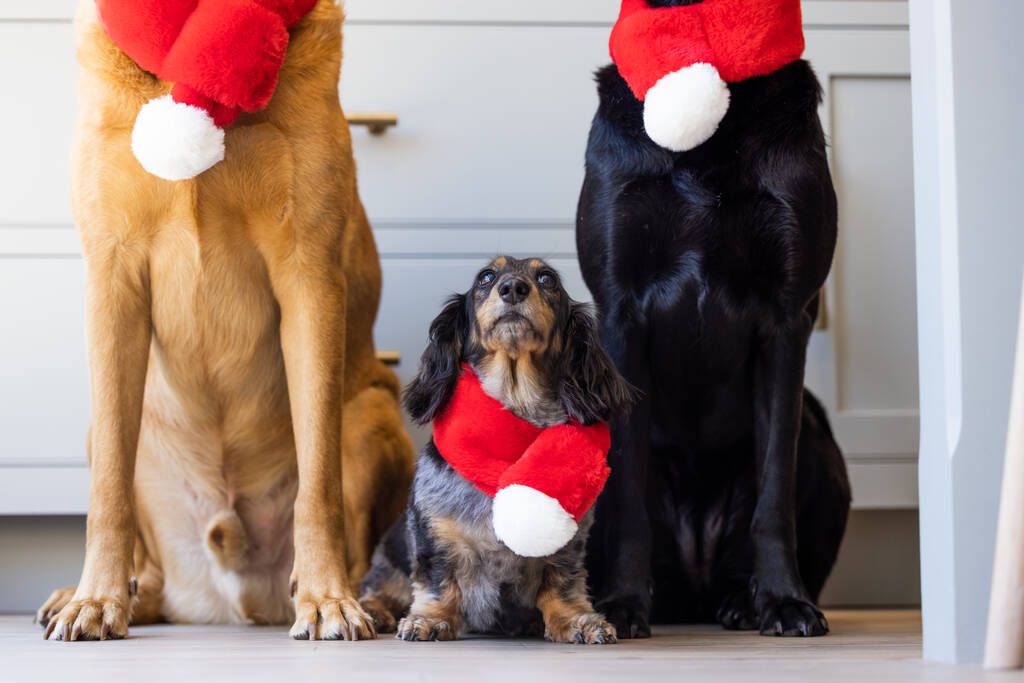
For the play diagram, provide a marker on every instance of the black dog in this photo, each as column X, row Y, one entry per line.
column 539, row 355
column 728, row 497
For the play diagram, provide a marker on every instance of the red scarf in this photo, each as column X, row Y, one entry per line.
column 741, row 38
column 223, row 56
column 494, row 449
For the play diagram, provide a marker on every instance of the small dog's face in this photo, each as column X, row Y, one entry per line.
column 519, row 307
column 533, row 347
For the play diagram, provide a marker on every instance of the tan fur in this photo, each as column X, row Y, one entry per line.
column 386, row 599
column 509, row 370
column 433, row 617
column 529, row 335
column 568, row 614
column 240, row 305
column 519, row 385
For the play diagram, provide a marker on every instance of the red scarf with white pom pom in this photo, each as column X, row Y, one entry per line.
column 740, row 38
column 543, row 480
column 678, row 60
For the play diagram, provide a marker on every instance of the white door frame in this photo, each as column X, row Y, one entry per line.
column 966, row 59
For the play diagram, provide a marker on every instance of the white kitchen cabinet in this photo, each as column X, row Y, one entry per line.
column 494, row 103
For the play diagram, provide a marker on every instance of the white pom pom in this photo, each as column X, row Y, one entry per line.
column 684, row 108
column 176, row 141
column 531, row 523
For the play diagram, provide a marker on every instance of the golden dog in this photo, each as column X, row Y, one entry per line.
column 233, row 373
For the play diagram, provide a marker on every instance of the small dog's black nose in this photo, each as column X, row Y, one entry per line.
column 513, row 290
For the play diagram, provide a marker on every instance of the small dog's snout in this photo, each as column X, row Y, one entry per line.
column 513, row 290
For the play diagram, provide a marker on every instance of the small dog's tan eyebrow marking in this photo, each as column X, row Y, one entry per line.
column 536, row 264
column 500, row 262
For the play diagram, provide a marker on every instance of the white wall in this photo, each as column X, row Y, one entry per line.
column 967, row 59
column 877, row 564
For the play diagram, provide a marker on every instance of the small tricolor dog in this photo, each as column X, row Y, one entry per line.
column 520, row 391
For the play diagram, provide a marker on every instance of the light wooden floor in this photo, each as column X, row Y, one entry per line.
column 873, row 646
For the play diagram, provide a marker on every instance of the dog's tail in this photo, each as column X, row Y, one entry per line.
column 227, row 544
column 386, row 592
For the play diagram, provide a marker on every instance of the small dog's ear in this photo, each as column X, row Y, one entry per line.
column 591, row 388
column 440, row 365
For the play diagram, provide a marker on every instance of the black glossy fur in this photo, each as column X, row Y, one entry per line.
column 728, row 496
column 539, row 354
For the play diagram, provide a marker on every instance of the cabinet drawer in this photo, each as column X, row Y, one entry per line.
column 44, row 378
column 38, row 102
column 493, row 120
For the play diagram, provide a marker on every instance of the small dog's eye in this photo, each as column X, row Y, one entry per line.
column 546, row 279
column 485, row 278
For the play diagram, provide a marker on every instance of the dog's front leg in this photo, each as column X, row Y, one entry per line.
column 779, row 594
column 312, row 297
column 437, row 606
column 619, row 549
column 119, row 329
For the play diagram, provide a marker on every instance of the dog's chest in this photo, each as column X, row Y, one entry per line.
column 710, row 266
column 215, row 319
column 689, row 234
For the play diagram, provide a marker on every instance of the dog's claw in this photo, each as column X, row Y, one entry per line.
column 628, row 617
column 337, row 619
column 792, row 617
column 584, row 629
column 413, row 628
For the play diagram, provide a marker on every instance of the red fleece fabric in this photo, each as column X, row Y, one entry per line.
column 494, row 449
column 740, row 38
column 223, row 55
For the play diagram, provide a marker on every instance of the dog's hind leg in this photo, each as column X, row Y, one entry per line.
column 823, row 497
column 386, row 592
column 147, row 603
column 378, row 461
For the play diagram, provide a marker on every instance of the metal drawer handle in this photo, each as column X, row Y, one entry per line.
column 377, row 124
column 389, row 357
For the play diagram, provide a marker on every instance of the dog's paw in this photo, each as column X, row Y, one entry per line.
column 792, row 617
column 383, row 619
column 89, row 619
column 331, row 619
column 736, row 612
column 583, row 629
column 414, row 627
column 55, row 603
column 630, row 618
